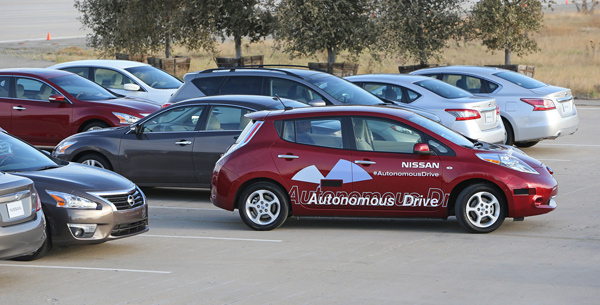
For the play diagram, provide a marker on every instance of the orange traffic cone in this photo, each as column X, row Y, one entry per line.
column 567, row 2
column 48, row 37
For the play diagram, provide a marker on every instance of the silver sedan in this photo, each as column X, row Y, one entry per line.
column 474, row 117
column 531, row 110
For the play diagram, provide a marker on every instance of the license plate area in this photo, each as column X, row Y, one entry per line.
column 15, row 209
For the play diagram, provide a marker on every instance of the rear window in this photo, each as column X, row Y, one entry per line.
column 209, row 85
column 442, row 89
column 520, row 80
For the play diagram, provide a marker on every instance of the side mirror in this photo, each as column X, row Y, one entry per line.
column 136, row 128
column 317, row 103
column 422, row 149
column 131, row 87
column 57, row 98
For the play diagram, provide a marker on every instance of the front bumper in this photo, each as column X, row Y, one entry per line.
column 535, row 196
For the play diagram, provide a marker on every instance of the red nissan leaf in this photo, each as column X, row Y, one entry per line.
column 370, row 161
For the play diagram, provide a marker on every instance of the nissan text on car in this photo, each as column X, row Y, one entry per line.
column 374, row 162
column 531, row 110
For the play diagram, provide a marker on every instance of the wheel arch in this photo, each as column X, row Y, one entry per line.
column 94, row 120
column 466, row 183
column 246, row 184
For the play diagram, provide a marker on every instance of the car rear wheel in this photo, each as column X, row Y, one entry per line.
column 480, row 208
column 526, row 143
column 95, row 126
column 263, row 206
column 509, row 139
column 95, row 160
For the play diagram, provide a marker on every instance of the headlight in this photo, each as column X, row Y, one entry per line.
column 507, row 161
column 62, row 146
column 126, row 118
column 64, row 200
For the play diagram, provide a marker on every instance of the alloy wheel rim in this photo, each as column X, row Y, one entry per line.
column 262, row 207
column 483, row 209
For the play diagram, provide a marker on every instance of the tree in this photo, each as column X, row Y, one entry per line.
column 142, row 26
column 241, row 18
column 305, row 27
column 506, row 24
column 586, row 7
column 418, row 29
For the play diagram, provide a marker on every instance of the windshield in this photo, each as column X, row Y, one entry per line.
column 15, row 155
column 82, row 88
column 344, row 91
column 520, row 80
column 155, row 78
column 441, row 130
column 443, row 89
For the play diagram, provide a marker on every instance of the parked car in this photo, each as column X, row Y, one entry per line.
column 129, row 78
column 22, row 222
column 459, row 110
column 82, row 204
column 176, row 146
column 44, row 106
column 374, row 162
column 310, row 87
column 531, row 110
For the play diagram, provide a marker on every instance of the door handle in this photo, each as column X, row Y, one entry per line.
column 19, row 108
column 183, row 142
column 287, row 157
column 364, row 162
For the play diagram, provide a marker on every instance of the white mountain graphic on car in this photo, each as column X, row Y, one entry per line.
column 343, row 170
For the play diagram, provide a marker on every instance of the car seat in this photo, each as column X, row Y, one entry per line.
column 117, row 81
column 21, row 92
column 462, row 84
column 213, row 123
column 45, row 92
column 364, row 140
column 390, row 94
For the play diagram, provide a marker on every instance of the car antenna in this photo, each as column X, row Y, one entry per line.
column 277, row 98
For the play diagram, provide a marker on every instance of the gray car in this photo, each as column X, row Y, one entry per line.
column 474, row 117
column 531, row 110
column 22, row 222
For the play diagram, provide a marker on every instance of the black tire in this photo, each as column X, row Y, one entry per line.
column 480, row 208
column 263, row 206
column 510, row 134
column 526, row 144
column 96, row 160
column 94, row 126
column 39, row 253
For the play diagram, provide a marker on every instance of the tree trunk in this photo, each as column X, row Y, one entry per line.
column 331, row 54
column 238, row 46
column 507, row 55
column 168, row 45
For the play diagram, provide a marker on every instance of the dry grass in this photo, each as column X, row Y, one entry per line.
column 569, row 56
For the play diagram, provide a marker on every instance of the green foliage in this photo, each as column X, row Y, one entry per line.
column 506, row 24
column 418, row 29
column 305, row 27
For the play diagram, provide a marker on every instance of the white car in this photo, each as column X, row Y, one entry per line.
column 129, row 78
column 459, row 110
column 531, row 110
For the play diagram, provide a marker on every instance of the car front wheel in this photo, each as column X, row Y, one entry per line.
column 95, row 160
column 480, row 208
column 263, row 206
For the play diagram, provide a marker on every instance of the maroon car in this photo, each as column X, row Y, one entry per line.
column 377, row 162
column 44, row 106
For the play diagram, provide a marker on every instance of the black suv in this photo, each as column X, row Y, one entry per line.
column 306, row 86
column 312, row 87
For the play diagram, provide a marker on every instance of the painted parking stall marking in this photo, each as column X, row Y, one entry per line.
column 86, row 268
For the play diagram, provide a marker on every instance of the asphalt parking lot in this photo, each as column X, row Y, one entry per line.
column 198, row 254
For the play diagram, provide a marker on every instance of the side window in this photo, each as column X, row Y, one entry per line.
column 81, row 71
column 4, row 86
column 31, row 89
column 110, row 79
column 317, row 132
column 292, row 90
column 208, row 85
column 490, row 87
column 465, row 82
column 227, row 118
column 388, row 92
column 175, row 120
column 251, row 85
column 412, row 96
column 384, row 136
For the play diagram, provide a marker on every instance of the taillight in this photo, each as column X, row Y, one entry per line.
column 539, row 104
column 464, row 114
column 497, row 110
column 38, row 203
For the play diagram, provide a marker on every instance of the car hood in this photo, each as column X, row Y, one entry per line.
column 132, row 103
column 78, row 177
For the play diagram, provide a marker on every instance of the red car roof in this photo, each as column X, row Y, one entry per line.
column 329, row 111
column 39, row 72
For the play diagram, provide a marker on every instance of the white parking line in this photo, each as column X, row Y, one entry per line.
column 214, row 238
column 85, row 268
column 554, row 160
column 572, row 145
column 184, row 208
